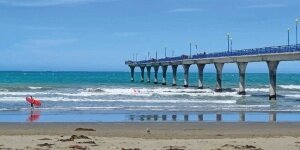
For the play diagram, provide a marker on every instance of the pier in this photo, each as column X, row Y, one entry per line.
column 271, row 55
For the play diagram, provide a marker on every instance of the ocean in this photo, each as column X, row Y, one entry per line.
column 111, row 96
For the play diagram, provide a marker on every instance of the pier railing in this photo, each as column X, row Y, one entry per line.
column 243, row 52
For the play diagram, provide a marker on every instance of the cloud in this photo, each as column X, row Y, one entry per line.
column 185, row 10
column 43, row 43
column 266, row 6
column 39, row 3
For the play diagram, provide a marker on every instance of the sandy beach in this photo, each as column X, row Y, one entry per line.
column 151, row 136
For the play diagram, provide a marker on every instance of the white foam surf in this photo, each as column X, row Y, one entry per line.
column 293, row 95
column 290, row 87
column 35, row 87
column 139, row 92
column 257, row 89
column 63, row 99
column 157, row 91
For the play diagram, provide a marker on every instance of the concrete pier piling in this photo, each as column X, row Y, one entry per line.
column 164, row 79
column 132, row 73
column 174, row 69
column 272, row 55
column 186, row 68
column 148, row 73
column 142, row 73
column 272, row 65
column 219, row 68
column 155, row 74
column 200, row 74
column 242, row 70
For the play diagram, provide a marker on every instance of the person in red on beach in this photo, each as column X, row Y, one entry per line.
column 31, row 104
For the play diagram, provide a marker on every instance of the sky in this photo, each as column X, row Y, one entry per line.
column 100, row 35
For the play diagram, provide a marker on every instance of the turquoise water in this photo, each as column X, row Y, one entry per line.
column 112, row 93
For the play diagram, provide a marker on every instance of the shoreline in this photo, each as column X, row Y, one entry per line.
column 151, row 136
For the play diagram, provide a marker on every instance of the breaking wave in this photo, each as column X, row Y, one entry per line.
column 290, row 87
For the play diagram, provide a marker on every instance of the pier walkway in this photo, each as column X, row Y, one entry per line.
column 271, row 55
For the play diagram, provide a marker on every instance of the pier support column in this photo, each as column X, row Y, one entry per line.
column 272, row 75
column 132, row 73
column 200, row 73
column 174, row 69
column 142, row 73
column 155, row 74
column 242, row 70
column 164, row 80
column 186, row 68
column 148, row 73
column 219, row 68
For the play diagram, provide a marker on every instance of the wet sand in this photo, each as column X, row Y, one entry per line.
column 201, row 135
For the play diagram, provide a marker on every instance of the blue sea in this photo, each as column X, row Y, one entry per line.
column 111, row 97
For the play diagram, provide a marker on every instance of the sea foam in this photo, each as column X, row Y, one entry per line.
column 290, row 87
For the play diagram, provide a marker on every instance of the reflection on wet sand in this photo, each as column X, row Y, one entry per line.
column 272, row 117
column 219, row 117
column 200, row 117
column 241, row 117
column 34, row 116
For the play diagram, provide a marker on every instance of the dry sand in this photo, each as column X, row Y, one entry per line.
column 151, row 136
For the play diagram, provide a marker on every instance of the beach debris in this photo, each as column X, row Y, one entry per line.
column 242, row 147
column 44, row 139
column 84, row 129
column 174, row 147
column 87, row 142
column 73, row 137
column 45, row 145
column 78, row 147
column 66, row 140
column 148, row 131
column 130, row 149
column 80, row 137
column 1, row 145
